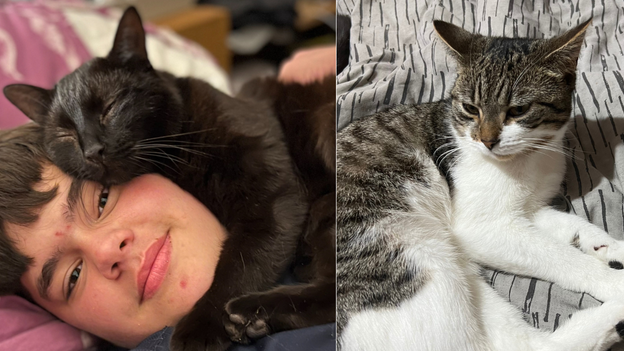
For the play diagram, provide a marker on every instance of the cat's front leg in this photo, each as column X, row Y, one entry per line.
column 283, row 308
column 581, row 234
column 294, row 306
column 519, row 246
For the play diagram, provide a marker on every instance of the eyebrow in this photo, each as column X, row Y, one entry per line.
column 74, row 195
column 47, row 273
column 49, row 267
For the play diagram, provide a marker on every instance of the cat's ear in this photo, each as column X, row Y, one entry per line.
column 456, row 38
column 564, row 50
column 130, row 38
column 33, row 101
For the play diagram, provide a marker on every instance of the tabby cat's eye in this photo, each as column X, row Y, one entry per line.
column 517, row 111
column 471, row 109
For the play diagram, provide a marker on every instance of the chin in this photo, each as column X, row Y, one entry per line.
column 504, row 158
column 499, row 157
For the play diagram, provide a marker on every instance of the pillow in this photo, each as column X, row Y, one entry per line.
column 27, row 327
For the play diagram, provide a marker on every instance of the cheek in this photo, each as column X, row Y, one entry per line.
column 111, row 307
column 149, row 191
column 65, row 151
column 474, row 132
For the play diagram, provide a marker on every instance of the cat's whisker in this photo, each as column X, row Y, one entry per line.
column 544, row 147
column 448, row 154
column 533, row 142
column 179, row 142
column 444, row 154
column 176, row 160
column 580, row 149
column 155, row 163
column 165, row 155
column 177, row 135
column 440, row 148
column 162, row 146
column 152, row 161
column 168, row 146
column 457, row 159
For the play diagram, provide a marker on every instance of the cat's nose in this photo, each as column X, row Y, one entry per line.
column 489, row 143
column 94, row 152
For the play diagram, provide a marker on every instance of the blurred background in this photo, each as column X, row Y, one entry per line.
column 225, row 42
column 247, row 37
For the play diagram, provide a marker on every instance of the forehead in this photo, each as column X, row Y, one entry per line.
column 498, row 68
column 95, row 78
column 29, row 238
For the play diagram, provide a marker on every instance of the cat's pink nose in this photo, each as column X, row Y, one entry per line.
column 489, row 143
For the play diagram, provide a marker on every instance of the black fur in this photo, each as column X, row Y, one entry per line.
column 343, row 44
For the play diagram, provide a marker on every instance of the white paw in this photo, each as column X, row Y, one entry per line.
column 604, row 248
column 615, row 323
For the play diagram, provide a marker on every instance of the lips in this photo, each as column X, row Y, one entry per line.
column 154, row 267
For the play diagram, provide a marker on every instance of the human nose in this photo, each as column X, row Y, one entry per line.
column 110, row 251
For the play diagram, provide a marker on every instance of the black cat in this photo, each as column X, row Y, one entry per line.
column 307, row 114
column 115, row 118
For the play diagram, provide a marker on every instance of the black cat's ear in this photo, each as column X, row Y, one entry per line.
column 564, row 50
column 456, row 38
column 130, row 38
column 33, row 101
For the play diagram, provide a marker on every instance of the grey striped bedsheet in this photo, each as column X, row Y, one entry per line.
column 395, row 58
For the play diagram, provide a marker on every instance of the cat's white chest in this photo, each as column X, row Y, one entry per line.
column 487, row 191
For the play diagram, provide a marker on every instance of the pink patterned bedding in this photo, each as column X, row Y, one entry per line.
column 37, row 46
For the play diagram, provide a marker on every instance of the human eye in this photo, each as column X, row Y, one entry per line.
column 73, row 279
column 102, row 200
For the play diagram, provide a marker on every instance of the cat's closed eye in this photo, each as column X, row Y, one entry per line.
column 105, row 112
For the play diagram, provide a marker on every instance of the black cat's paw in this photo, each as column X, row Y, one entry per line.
column 247, row 320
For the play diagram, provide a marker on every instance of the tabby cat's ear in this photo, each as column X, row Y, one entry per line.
column 564, row 50
column 130, row 38
column 33, row 101
column 456, row 38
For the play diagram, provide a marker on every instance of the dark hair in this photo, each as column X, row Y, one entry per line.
column 21, row 163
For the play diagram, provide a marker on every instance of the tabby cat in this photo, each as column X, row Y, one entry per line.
column 115, row 118
column 427, row 192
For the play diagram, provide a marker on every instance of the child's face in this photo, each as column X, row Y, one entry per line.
column 136, row 260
